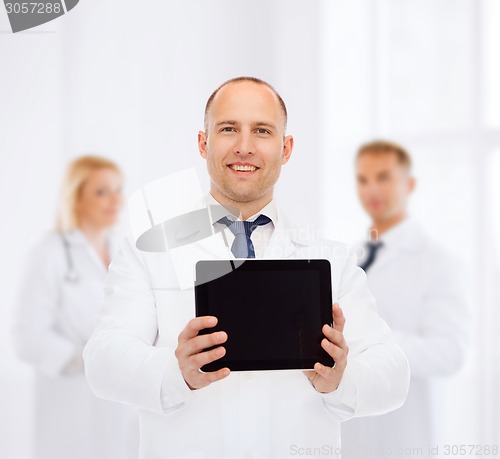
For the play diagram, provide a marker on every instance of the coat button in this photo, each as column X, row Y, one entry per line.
column 248, row 376
column 248, row 455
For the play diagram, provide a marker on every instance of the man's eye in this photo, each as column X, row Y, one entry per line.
column 262, row 131
column 227, row 129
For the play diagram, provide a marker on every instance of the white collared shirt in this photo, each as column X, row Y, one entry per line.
column 260, row 236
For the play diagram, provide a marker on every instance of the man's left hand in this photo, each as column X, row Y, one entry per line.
column 327, row 379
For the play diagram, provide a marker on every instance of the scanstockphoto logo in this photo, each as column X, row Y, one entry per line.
column 26, row 15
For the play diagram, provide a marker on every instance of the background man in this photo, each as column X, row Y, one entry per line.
column 418, row 291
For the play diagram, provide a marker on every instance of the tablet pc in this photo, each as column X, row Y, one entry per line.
column 272, row 310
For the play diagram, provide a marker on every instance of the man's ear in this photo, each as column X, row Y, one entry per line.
column 287, row 149
column 412, row 183
column 202, row 144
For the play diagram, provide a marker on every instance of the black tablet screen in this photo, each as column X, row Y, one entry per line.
column 272, row 311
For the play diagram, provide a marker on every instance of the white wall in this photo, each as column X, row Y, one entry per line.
column 31, row 162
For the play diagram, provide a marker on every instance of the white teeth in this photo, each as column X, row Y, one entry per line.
column 237, row 167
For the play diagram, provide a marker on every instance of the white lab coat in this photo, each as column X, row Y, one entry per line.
column 54, row 319
column 419, row 292
column 270, row 414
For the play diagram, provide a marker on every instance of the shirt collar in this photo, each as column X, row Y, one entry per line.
column 269, row 210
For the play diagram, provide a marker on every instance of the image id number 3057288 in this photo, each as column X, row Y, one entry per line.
column 470, row 450
column 33, row 7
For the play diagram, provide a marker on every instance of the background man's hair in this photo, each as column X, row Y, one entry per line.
column 242, row 79
column 386, row 146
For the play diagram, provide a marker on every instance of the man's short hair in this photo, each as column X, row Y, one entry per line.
column 241, row 79
column 386, row 146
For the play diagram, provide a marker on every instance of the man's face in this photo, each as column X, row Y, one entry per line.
column 384, row 184
column 244, row 143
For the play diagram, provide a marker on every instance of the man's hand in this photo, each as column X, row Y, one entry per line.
column 327, row 379
column 190, row 357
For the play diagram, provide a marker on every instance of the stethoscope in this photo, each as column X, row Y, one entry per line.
column 71, row 273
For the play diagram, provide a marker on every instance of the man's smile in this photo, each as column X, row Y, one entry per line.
column 242, row 169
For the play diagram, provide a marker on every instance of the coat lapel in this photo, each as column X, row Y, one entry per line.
column 282, row 243
column 77, row 239
column 185, row 257
column 408, row 238
column 213, row 247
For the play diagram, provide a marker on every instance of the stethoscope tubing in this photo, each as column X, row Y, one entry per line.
column 71, row 273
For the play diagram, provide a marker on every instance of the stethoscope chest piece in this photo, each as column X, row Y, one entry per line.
column 71, row 274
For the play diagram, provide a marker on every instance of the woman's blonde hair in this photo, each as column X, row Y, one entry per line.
column 77, row 174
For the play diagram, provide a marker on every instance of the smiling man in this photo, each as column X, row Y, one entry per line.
column 147, row 349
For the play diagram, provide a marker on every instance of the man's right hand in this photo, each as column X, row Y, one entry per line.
column 190, row 356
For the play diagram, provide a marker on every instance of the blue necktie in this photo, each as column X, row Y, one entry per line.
column 372, row 254
column 242, row 245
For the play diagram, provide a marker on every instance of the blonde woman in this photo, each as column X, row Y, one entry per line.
column 59, row 299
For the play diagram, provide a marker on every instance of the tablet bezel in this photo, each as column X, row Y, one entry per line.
column 322, row 266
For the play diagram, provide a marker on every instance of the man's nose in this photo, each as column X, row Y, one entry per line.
column 372, row 187
column 245, row 144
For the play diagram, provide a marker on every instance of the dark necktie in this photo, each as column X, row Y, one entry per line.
column 372, row 254
column 242, row 245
